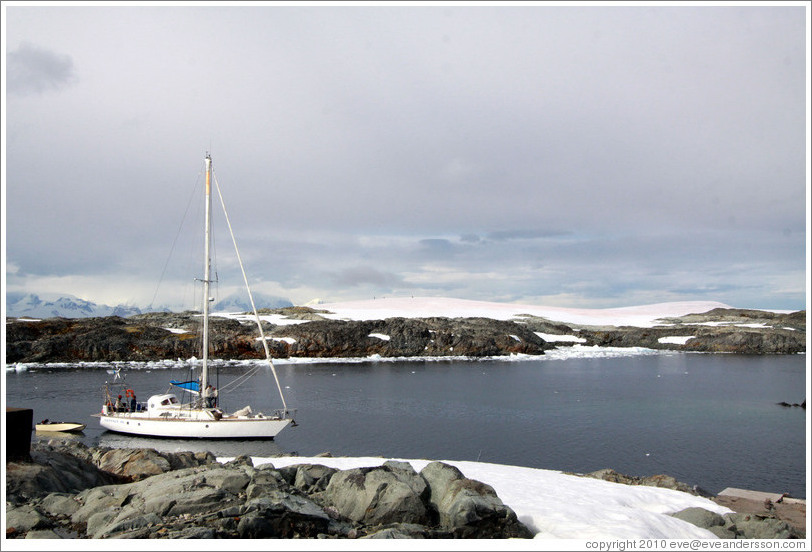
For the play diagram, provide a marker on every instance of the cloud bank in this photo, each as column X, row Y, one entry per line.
column 567, row 155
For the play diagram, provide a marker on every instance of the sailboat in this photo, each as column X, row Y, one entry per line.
column 164, row 415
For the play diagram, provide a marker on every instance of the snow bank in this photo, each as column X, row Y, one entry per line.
column 676, row 339
column 556, row 338
column 176, row 330
column 555, row 505
column 275, row 319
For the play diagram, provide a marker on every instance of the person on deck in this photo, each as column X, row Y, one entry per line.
column 118, row 406
column 213, row 398
column 133, row 404
column 207, row 396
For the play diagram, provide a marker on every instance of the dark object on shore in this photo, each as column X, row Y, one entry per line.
column 788, row 405
column 18, row 433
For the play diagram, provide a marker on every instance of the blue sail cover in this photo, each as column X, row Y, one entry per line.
column 191, row 386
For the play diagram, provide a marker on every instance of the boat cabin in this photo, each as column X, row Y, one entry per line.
column 158, row 403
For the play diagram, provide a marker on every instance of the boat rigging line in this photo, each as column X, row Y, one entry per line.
column 175, row 241
column 250, row 296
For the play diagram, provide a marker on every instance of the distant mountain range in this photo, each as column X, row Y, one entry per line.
column 20, row 304
column 238, row 302
column 67, row 306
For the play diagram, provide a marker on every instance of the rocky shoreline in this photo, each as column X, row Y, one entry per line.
column 72, row 491
column 169, row 336
column 68, row 490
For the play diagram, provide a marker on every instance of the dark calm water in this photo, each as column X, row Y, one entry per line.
column 708, row 420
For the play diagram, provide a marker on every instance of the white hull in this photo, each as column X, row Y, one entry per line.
column 225, row 428
column 63, row 427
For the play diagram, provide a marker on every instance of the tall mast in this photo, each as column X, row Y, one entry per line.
column 204, row 376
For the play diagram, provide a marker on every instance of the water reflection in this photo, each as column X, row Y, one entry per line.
column 59, row 436
column 230, row 448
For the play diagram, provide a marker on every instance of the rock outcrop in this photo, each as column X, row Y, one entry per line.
column 744, row 340
column 160, row 336
column 716, row 331
column 147, row 494
column 660, row 480
column 70, row 466
column 738, row 525
column 407, row 337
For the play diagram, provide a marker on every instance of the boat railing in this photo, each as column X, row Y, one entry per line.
column 283, row 414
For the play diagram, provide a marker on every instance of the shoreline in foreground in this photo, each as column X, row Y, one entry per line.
column 550, row 504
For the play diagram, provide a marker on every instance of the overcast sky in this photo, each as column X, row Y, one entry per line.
column 576, row 156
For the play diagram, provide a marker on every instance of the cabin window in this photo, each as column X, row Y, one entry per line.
column 165, row 402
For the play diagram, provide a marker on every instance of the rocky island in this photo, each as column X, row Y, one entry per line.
column 163, row 335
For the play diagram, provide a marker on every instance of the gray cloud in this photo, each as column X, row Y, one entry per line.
column 365, row 275
column 503, row 235
column 437, row 248
column 32, row 69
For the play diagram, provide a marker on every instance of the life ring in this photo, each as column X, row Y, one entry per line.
column 129, row 393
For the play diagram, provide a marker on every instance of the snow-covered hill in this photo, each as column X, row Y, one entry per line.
column 424, row 307
column 68, row 306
